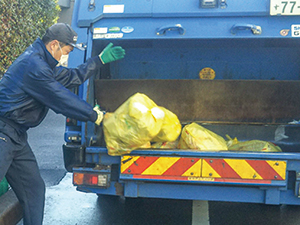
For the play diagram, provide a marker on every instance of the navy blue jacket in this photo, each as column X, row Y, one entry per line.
column 33, row 84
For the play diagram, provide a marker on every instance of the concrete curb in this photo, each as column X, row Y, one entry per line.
column 10, row 209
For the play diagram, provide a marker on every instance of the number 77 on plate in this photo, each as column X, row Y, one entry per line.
column 285, row 7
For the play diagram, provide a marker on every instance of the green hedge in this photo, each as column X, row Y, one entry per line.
column 22, row 21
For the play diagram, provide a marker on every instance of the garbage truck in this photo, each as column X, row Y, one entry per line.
column 232, row 67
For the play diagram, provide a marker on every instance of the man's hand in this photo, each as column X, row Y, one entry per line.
column 110, row 53
column 100, row 115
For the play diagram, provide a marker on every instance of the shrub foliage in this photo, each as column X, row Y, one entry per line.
column 22, row 21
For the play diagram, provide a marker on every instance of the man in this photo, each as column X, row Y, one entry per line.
column 31, row 86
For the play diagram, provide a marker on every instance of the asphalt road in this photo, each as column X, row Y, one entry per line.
column 66, row 206
column 46, row 141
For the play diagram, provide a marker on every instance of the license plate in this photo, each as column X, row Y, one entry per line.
column 285, row 7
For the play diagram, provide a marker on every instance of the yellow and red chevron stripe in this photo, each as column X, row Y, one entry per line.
column 161, row 166
column 244, row 169
column 188, row 168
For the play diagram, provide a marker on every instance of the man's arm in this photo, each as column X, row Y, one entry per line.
column 71, row 78
column 41, row 85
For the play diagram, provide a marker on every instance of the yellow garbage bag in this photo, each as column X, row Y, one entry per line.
column 231, row 141
column 256, row 146
column 182, row 144
column 171, row 128
column 165, row 145
column 133, row 125
column 194, row 136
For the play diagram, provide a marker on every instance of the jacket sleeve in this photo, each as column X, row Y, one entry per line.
column 40, row 84
column 71, row 78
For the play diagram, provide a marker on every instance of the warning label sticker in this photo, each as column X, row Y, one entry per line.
column 108, row 36
column 296, row 30
column 113, row 9
column 207, row 74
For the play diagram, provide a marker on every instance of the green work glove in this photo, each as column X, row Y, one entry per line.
column 110, row 53
column 100, row 115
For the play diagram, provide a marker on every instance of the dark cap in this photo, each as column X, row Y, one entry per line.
column 63, row 33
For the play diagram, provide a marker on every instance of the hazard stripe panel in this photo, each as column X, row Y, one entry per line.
column 162, row 166
column 244, row 169
column 136, row 164
column 206, row 169
column 279, row 167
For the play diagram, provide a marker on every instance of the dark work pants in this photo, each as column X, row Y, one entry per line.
column 18, row 163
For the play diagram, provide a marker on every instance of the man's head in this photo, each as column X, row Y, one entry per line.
column 60, row 39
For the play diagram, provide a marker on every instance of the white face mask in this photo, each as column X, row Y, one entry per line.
column 63, row 59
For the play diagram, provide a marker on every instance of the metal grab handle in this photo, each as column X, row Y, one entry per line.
column 164, row 29
column 254, row 28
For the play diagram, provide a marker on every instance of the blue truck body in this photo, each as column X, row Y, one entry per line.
column 232, row 66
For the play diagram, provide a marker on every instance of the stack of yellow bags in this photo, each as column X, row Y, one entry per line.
column 138, row 122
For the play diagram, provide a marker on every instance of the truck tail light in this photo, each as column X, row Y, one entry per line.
column 90, row 179
column 71, row 122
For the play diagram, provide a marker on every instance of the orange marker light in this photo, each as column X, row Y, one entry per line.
column 78, row 178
